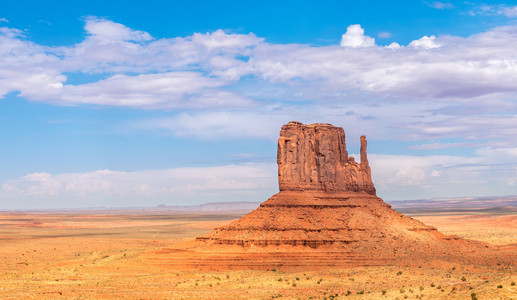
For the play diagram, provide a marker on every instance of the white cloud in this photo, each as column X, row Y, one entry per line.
column 110, row 32
column 510, row 12
column 396, row 177
column 355, row 38
column 394, row 46
column 426, row 42
column 495, row 9
column 419, row 177
column 440, row 5
column 4, row 20
column 164, row 90
column 219, row 125
column 384, row 35
column 180, row 186
column 441, row 67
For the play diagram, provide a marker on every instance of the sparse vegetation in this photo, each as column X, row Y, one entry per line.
column 87, row 272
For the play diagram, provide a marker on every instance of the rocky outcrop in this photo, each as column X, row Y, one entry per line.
column 314, row 158
column 327, row 199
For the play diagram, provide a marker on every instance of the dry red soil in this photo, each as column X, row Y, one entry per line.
column 117, row 255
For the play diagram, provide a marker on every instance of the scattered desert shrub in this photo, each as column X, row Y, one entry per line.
column 432, row 284
column 474, row 296
column 500, row 286
column 384, row 292
column 421, row 288
column 399, row 273
column 463, row 278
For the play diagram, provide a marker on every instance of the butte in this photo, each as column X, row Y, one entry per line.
column 326, row 214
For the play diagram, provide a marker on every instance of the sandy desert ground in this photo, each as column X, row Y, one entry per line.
column 85, row 255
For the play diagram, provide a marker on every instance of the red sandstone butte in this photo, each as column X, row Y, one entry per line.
column 326, row 214
column 314, row 158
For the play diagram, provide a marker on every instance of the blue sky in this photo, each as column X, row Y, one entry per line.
column 180, row 102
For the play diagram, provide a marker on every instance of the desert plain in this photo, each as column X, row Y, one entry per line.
column 122, row 254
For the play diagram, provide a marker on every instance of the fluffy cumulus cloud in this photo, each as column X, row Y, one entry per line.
column 180, row 186
column 355, row 38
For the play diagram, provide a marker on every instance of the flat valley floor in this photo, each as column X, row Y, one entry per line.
column 105, row 254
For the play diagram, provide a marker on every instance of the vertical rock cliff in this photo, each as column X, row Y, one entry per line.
column 314, row 157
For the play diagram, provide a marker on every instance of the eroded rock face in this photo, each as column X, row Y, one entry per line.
column 327, row 199
column 314, row 158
